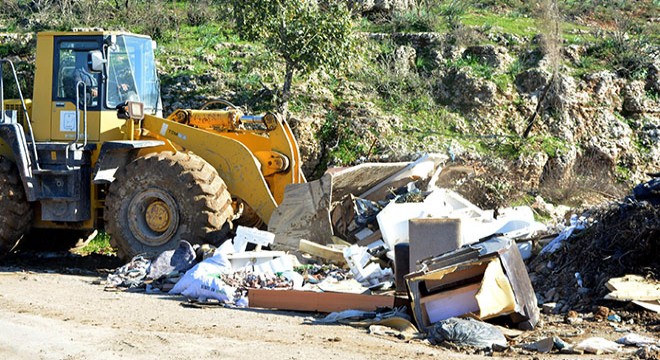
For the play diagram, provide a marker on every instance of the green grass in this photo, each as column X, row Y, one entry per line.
column 521, row 26
column 99, row 245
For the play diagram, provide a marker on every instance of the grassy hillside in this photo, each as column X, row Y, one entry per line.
column 372, row 109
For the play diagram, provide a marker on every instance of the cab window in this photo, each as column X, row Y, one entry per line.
column 72, row 67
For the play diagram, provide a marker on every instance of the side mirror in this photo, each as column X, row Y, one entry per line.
column 97, row 60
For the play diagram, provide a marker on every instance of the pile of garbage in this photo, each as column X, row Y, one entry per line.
column 604, row 243
column 383, row 247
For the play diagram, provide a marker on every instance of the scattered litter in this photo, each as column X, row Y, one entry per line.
column 352, row 235
column 638, row 340
column 245, row 235
column 398, row 327
column 131, row 275
column 326, row 253
column 559, row 343
column 543, row 346
column 598, row 345
column 466, row 332
column 614, row 318
column 575, row 224
column 364, row 267
column 346, row 314
column 172, row 261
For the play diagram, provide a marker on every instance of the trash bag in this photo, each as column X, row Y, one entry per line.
column 180, row 259
column 466, row 332
column 209, row 287
column 213, row 265
column 649, row 191
column 365, row 211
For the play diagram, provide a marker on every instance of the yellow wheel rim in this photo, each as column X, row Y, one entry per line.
column 158, row 216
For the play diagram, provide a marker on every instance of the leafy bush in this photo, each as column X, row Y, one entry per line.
column 413, row 21
column 625, row 50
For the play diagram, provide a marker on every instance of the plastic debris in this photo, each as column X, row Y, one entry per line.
column 467, row 332
column 214, row 265
column 365, row 211
column 371, row 317
column 614, row 318
column 559, row 343
column 132, row 274
column 638, row 340
column 178, row 260
column 598, row 345
column 575, row 224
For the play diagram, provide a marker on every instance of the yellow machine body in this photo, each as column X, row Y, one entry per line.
column 256, row 157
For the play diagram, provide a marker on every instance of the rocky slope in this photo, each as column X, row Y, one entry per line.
column 467, row 93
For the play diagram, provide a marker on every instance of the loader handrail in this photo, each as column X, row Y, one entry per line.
column 74, row 142
column 25, row 112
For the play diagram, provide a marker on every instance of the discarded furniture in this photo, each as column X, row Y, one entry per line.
column 485, row 280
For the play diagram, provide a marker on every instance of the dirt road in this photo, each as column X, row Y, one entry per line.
column 61, row 316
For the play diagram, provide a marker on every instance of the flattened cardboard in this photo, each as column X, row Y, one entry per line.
column 303, row 214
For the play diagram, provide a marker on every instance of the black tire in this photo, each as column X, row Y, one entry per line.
column 162, row 198
column 15, row 211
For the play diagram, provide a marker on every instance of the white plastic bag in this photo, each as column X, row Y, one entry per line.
column 209, row 287
column 217, row 264
column 598, row 345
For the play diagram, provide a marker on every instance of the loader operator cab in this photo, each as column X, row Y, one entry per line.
column 115, row 69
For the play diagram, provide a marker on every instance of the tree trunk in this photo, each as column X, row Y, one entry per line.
column 286, row 89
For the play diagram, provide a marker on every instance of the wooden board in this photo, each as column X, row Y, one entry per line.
column 324, row 252
column 297, row 300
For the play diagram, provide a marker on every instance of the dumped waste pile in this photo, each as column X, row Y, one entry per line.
column 608, row 242
column 381, row 246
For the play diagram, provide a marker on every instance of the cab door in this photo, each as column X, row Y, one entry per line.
column 71, row 57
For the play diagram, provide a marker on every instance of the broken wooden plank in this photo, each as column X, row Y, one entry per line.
column 297, row 300
column 324, row 252
column 373, row 237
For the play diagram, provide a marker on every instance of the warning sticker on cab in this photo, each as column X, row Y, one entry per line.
column 68, row 121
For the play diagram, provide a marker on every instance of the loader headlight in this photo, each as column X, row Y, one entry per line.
column 131, row 110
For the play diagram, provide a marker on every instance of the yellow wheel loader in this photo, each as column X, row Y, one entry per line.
column 92, row 149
